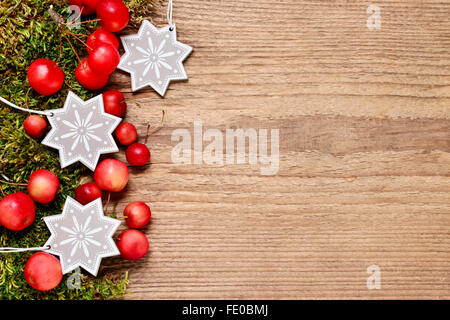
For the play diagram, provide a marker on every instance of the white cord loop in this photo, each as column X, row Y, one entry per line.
column 13, row 250
column 45, row 113
column 169, row 14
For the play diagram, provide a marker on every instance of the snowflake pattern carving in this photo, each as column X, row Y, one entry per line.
column 82, row 131
column 154, row 57
column 81, row 236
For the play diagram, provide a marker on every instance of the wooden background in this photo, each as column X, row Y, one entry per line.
column 364, row 154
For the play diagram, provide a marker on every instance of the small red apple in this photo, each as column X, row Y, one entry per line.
column 90, row 79
column 43, row 271
column 17, row 211
column 43, row 186
column 101, row 36
column 132, row 244
column 87, row 192
column 138, row 154
column 45, row 76
column 111, row 175
column 137, row 214
column 126, row 133
column 87, row 7
column 104, row 58
column 114, row 15
column 114, row 103
column 35, row 126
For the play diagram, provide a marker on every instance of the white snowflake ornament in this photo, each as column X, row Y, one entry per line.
column 81, row 236
column 154, row 57
column 81, row 131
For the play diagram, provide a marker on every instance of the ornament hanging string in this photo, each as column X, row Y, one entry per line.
column 169, row 15
column 14, row 250
column 45, row 113
column 169, row 63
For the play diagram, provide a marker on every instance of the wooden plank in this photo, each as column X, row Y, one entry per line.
column 364, row 154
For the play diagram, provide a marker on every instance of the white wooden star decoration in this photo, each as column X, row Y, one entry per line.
column 154, row 57
column 81, row 131
column 81, row 236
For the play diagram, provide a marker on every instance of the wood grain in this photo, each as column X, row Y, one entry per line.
column 364, row 119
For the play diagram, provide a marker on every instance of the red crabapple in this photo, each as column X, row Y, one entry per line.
column 17, row 211
column 111, row 175
column 89, row 78
column 137, row 214
column 87, row 192
column 126, row 133
column 114, row 103
column 35, row 126
column 104, row 58
column 101, row 36
column 114, row 15
column 43, row 271
column 43, row 186
column 138, row 154
column 87, row 7
column 132, row 244
column 45, row 76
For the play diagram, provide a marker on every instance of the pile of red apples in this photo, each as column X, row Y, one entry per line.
column 47, row 78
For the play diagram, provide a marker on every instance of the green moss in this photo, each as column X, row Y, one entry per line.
column 27, row 32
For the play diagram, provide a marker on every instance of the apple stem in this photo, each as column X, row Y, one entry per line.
column 26, row 98
column 1, row 189
column 13, row 183
column 79, row 34
column 161, row 124
column 146, row 135
column 107, row 202
column 86, row 21
column 73, row 49
column 84, row 179
column 60, row 45
column 81, row 12
column 76, row 37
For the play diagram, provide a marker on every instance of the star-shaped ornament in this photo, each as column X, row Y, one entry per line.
column 81, row 236
column 154, row 57
column 81, row 131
